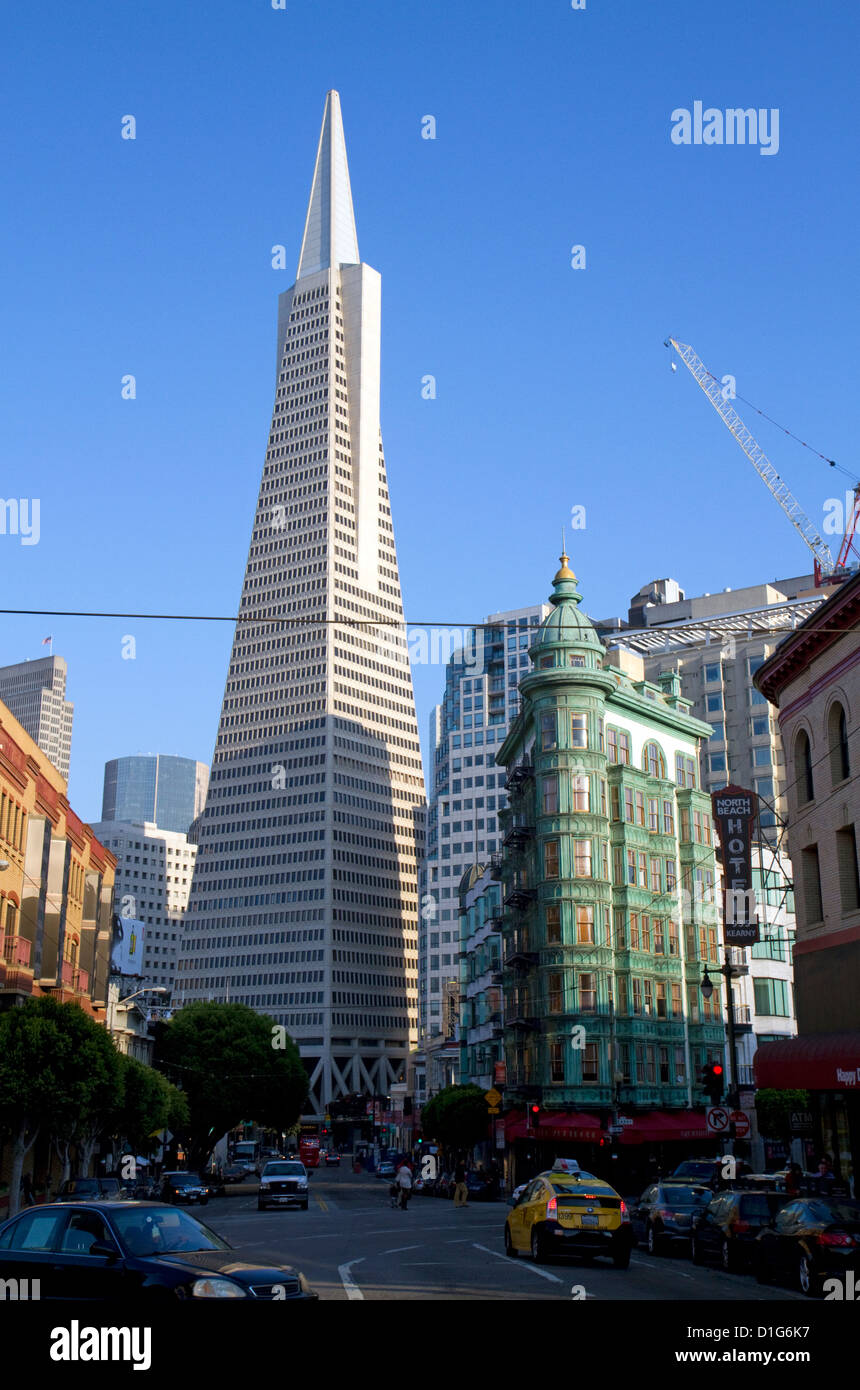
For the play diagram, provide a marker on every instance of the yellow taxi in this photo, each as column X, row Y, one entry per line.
column 566, row 1211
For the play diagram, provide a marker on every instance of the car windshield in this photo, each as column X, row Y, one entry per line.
column 83, row 1187
column 162, row 1230
column 695, row 1170
column 284, row 1170
column 682, row 1196
column 185, row 1179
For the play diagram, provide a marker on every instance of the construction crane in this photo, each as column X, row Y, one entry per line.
column 827, row 571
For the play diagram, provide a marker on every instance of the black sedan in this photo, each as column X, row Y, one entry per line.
column 665, row 1213
column 184, row 1188
column 727, row 1229
column 134, row 1250
column 810, row 1241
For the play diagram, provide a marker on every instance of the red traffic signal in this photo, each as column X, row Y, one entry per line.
column 717, row 1069
column 534, row 1115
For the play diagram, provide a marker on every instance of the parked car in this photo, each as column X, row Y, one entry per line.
column 236, row 1172
column 332, row 1159
column 665, row 1212
column 90, row 1190
column 385, row 1170
column 135, row 1251
column 517, row 1194
column 708, row 1172
column 809, row 1240
column 184, row 1188
column 567, row 1211
column 727, row 1228
column 283, row 1183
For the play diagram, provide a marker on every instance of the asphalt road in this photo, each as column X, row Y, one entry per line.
column 351, row 1245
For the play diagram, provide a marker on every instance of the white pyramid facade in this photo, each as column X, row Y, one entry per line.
column 304, row 903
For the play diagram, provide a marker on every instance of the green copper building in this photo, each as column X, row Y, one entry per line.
column 608, row 877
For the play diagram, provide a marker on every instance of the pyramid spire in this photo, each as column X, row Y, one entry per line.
column 330, row 237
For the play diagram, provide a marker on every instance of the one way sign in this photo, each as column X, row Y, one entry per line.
column 718, row 1119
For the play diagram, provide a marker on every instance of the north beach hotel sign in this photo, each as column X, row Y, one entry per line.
column 734, row 811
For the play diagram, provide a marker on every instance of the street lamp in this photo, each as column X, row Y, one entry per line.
column 707, row 986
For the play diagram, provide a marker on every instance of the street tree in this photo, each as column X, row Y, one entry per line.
column 58, row 1076
column 457, row 1117
column 232, row 1065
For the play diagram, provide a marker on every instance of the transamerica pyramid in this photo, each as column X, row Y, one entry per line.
column 304, row 903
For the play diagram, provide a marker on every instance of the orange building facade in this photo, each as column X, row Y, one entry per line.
column 56, row 889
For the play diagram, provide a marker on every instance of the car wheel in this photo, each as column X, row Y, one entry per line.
column 622, row 1259
column 203, row 1201
column 509, row 1244
column 696, row 1252
column 727, row 1259
column 652, row 1241
column 809, row 1281
column 537, row 1248
column 304, row 1206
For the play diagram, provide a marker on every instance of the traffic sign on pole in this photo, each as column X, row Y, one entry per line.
column 741, row 1122
column 718, row 1119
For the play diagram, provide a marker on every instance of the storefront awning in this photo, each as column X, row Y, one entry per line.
column 566, row 1124
column 815, row 1062
column 658, row 1126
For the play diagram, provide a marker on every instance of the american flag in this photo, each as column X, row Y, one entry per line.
column 46, row 640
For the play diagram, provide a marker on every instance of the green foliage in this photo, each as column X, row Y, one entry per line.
column 58, row 1070
column 457, row 1117
column 149, row 1105
column 223, row 1058
column 773, row 1110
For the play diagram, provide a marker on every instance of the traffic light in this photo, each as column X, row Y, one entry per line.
column 534, row 1116
column 712, row 1082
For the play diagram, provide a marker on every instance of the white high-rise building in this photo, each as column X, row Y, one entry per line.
column 154, row 869
column 35, row 692
column 466, row 792
column 305, row 896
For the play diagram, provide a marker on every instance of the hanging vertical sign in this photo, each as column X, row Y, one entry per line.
column 734, row 811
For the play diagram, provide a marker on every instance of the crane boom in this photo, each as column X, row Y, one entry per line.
column 824, row 565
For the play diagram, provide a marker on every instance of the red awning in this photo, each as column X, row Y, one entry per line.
column 816, row 1062
column 658, row 1126
column 565, row 1124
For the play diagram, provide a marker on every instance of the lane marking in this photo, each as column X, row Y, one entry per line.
column 321, row 1202
column 352, row 1289
column 533, row 1268
column 397, row 1249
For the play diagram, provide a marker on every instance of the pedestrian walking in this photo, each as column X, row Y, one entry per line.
column 404, row 1183
column 461, row 1191
column 27, row 1190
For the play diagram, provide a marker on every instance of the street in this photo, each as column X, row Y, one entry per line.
column 350, row 1244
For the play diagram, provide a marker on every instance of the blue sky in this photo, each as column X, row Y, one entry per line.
column 153, row 257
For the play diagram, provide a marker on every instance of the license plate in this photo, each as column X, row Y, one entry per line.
column 590, row 1220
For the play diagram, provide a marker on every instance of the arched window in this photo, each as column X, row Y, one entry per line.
column 803, row 768
column 652, row 761
column 837, row 738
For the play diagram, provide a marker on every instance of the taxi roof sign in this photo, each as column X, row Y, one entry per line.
column 566, row 1165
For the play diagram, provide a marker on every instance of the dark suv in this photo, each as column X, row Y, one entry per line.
column 726, row 1231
